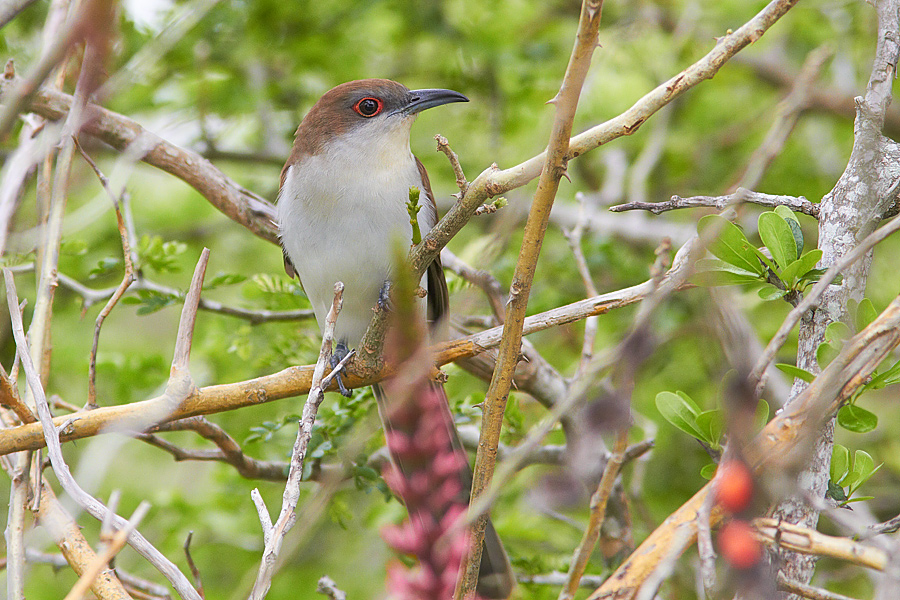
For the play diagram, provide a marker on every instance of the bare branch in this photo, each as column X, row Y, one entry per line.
column 807, row 591
column 182, row 355
column 291, row 496
column 809, row 541
column 787, row 114
column 61, row 469
column 598, row 514
column 779, row 440
column 11, row 8
column 118, row 542
column 15, row 527
column 127, row 279
column 137, row 416
column 444, row 146
column 741, row 195
column 554, row 169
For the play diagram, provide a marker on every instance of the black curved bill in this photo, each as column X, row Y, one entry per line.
column 420, row 100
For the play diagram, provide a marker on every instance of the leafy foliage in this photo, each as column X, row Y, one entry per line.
column 240, row 80
column 784, row 270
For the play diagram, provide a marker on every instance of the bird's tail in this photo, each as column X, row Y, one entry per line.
column 495, row 576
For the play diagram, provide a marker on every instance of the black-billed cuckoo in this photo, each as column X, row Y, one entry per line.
column 341, row 208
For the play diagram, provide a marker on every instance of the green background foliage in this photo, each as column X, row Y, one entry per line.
column 240, row 81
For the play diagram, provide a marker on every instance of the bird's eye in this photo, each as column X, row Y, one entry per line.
column 368, row 107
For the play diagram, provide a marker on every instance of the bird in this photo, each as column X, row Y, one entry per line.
column 341, row 207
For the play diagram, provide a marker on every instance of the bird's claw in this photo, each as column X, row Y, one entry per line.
column 384, row 296
column 340, row 352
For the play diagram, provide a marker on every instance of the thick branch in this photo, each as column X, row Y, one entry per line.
column 782, row 437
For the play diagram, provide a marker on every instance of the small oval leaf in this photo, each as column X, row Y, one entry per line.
column 731, row 245
column 856, row 419
column 680, row 412
column 778, row 237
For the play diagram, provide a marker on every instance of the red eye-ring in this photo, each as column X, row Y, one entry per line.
column 368, row 107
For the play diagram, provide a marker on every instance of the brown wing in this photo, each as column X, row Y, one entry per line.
column 438, row 296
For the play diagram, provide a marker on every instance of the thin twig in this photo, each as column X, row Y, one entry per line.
column 598, row 514
column 795, row 203
column 127, row 278
column 273, row 534
column 61, row 469
column 809, row 541
column 787, row 115
column 195, row 572
column 329, row 588
column 444, row 146
column 889, row 526
column 807, row 591
column 573, row 237
column 486, row 282
column 254, row 316
column 296, row 380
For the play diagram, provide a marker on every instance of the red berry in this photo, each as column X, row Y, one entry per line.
column 734, row 486
column 738, row 545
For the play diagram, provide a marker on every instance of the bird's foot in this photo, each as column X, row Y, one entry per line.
column 384, row 296
column 340, row 353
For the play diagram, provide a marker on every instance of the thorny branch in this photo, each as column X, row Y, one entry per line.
column 796, row 204
column 61, row 469
column 273, row 534
column 553, row 170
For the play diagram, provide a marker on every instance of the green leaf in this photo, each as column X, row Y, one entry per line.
column 794, row 223
column 865, row 314
column 837, row 333
column 711, row 423
column 160, row 256
column 864, row 467
column 856, row 419
column 762, row 414
column 840, row 462
column 707, row 472
column 778, row 237
column 223, row 279
column 859, row 499
column 731, row 245
column 104, row 266
column 803, row 265
column 889, row 377
column 825, row 353
column 712, row 271
column 786, row 213
column 679, row 410
column 816, row 274
column 769, row 292
column 766, row 260
column 793, row 371
column 835, row 492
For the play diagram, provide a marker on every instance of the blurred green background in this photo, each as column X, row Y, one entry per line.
column 235, row 86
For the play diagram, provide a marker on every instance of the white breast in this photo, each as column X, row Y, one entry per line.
column 341, row 213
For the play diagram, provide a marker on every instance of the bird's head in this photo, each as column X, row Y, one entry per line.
column 372, row 110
